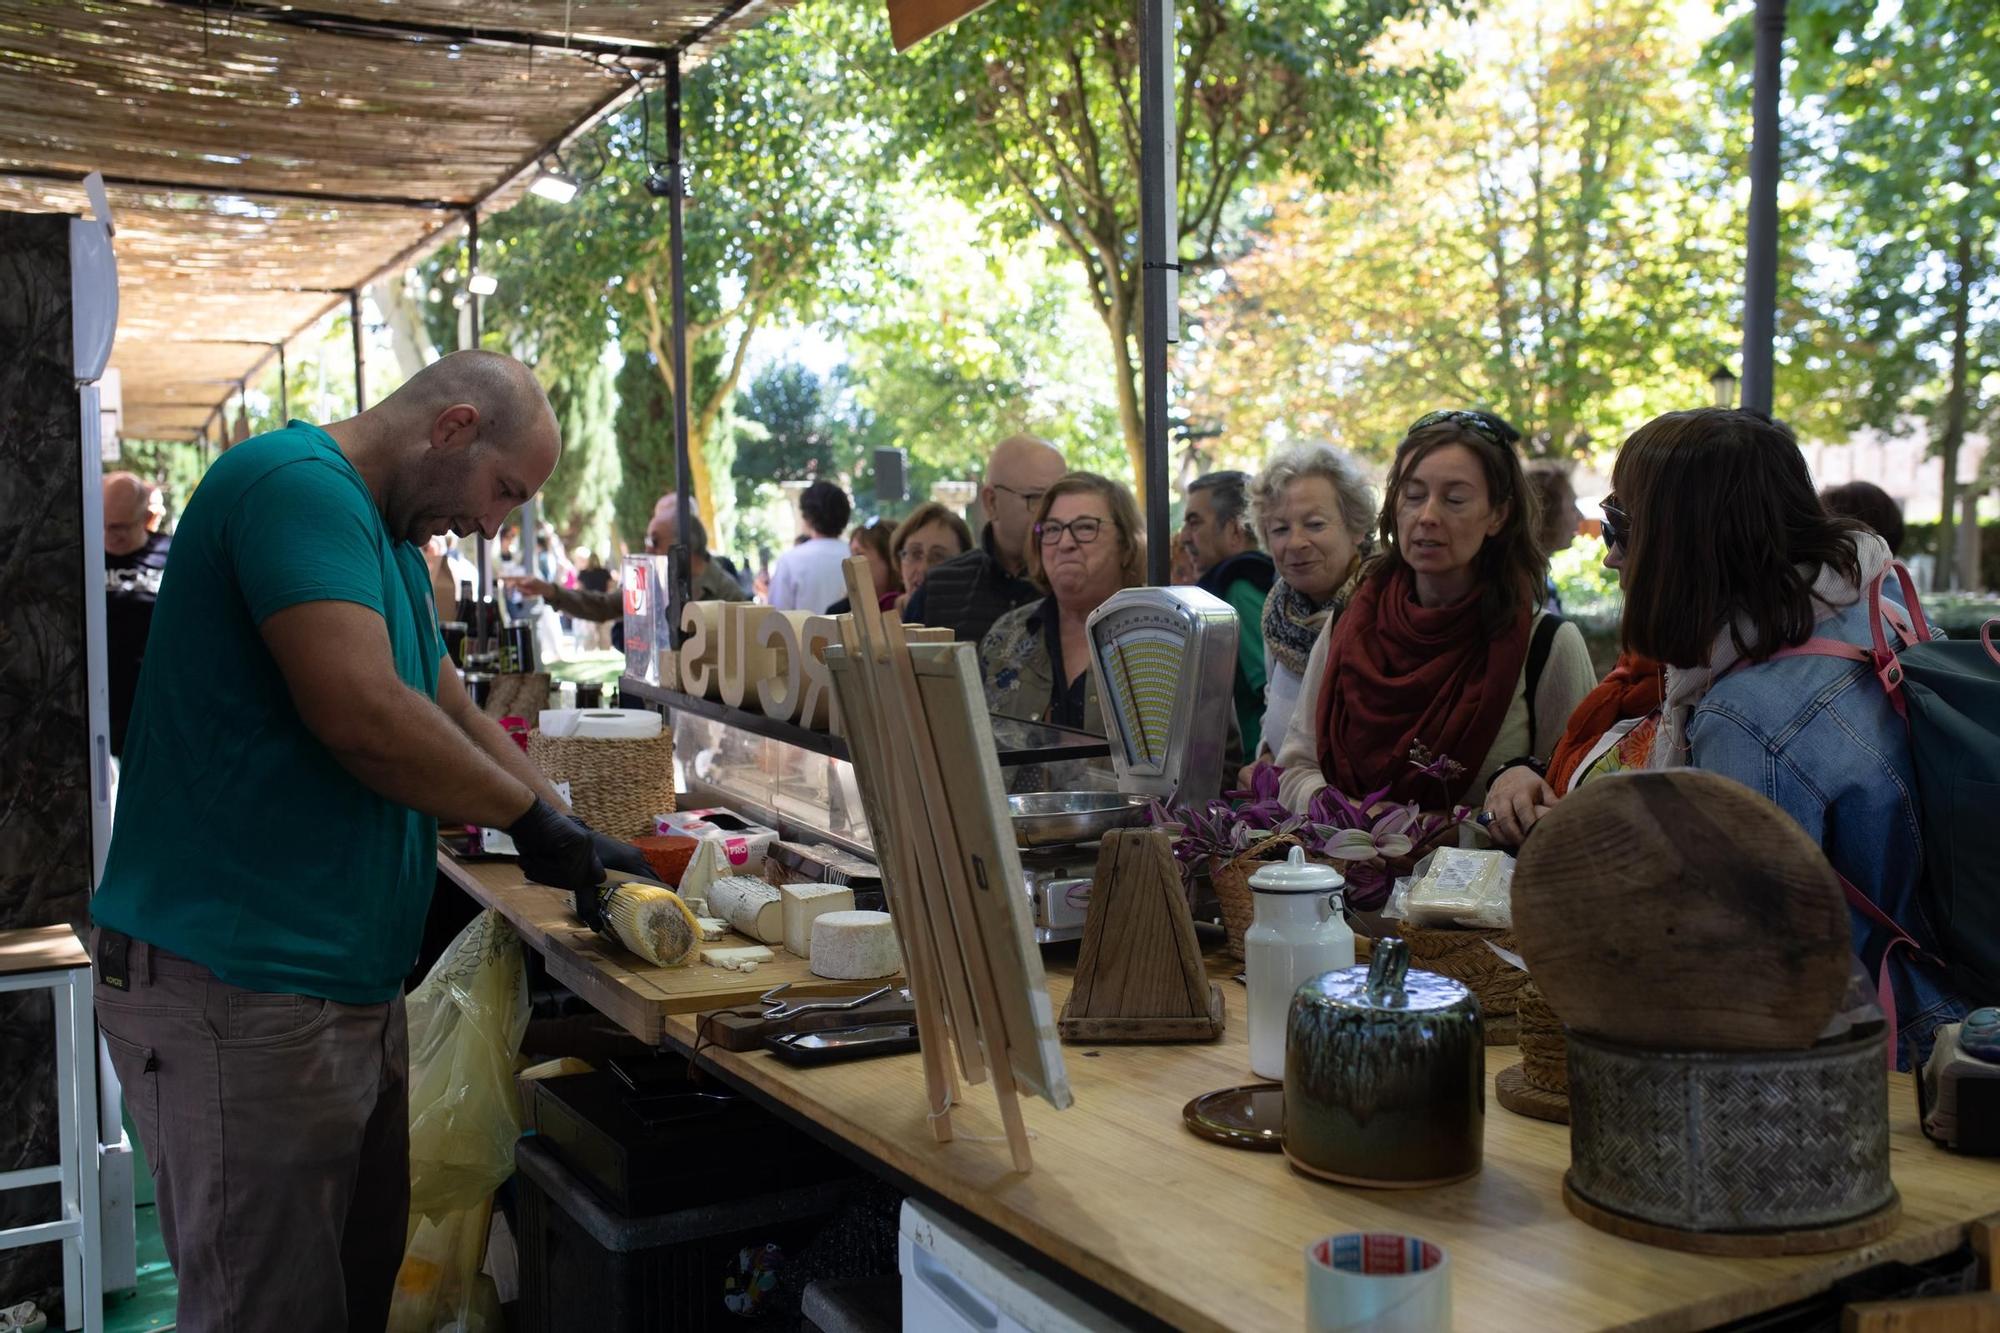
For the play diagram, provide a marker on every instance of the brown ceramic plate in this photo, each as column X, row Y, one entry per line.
column 1248, row 1117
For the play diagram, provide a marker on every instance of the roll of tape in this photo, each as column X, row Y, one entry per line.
column 617, row 724
column 1377, row 1280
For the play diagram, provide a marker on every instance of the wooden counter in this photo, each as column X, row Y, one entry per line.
column 1203, row 1237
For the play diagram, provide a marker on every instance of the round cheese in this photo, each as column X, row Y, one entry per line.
column 854, row 946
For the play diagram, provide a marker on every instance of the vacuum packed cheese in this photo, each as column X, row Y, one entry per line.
column 804, row 904
column 854, row 946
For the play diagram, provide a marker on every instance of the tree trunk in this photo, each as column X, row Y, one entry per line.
column 658, row 340
column 1955, row 408
column 412, row 344
column 1125, row 378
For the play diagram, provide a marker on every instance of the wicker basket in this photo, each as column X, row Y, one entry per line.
column 1544, row 1055
column 1463, row 956
column 1231, row 881
column 615, row 786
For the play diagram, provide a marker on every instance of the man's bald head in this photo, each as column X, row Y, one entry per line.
column 1019, row 469
column 471, row 437
column 131, row 511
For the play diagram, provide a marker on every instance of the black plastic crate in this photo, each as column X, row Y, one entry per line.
column 586, row 1267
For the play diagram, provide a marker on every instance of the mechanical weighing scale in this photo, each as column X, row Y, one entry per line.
column 1163, row 663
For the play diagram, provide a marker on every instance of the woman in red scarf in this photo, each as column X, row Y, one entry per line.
column 1432, row 655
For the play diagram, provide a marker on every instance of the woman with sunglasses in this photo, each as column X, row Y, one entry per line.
column 1729, row 560
column 1086, row 543
column 1431, row 658
column 1611, row 730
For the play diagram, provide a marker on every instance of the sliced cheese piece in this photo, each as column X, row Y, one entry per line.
column 703, row 869
column 805, row 903
column 713, row 928
column 737, row 958
column 750, row 905
column 854, row 946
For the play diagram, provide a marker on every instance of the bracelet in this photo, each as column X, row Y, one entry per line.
column 1528, row 761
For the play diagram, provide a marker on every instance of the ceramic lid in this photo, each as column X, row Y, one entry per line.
column 1295, row 874
column 1386, row 984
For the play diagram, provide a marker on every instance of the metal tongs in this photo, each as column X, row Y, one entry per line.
column 778, row 1010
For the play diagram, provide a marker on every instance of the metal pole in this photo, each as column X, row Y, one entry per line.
column 472, row 266
column 284, row 387
column 1760, row 268
column 360, row 357
column 472, row 340
column 1159, row 235
column 677, row 260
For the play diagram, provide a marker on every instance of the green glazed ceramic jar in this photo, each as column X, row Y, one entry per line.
column 1385, row 1076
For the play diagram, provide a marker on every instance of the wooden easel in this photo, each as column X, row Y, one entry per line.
column 901, row 777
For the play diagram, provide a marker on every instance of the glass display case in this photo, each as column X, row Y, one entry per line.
column 800, row 782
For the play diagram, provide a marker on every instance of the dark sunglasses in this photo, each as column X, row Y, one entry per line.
column 1617, row 524
column 1488, row 428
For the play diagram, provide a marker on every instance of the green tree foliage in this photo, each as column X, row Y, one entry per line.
column 644, row 430
column 1905, row 140
column 580, row 495
column 779, row 158
column 1560, row 245
column 1033, row 110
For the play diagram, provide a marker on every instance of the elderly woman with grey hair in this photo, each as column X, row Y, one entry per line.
column 1316, row 510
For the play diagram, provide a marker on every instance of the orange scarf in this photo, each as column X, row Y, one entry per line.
column 1634, row 688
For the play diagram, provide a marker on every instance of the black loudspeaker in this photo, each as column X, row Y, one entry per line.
column 892, row 481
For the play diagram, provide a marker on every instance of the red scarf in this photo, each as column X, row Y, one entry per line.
column 1400, row 675
column 1633, row 689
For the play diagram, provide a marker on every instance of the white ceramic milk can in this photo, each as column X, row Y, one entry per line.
column 1297, row 933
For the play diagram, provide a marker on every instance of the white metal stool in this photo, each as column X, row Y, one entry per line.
column 52, row 957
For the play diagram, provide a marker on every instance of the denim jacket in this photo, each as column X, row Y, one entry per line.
column 1820, row 738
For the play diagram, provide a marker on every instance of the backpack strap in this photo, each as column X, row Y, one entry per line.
column 1910, row 629
column 1893, row 938
column 1986, row 637
column 1540, row 644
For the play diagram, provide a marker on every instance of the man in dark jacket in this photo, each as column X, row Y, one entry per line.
column 969, row 592
column 1216, row 534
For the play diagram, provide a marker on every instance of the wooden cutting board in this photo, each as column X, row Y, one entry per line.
column 1681, row 911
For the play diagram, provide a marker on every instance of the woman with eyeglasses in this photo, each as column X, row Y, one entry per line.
column 1610, row 731
column 1435, row 655
column 1729, row 560
column 930, row 535
column 1085, row 544
column 871, row 540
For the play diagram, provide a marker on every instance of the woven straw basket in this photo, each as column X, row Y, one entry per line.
column 1463, row 956
column 518, row 694
column 1231, row 880
column 1544, row 1056
column 615, row 786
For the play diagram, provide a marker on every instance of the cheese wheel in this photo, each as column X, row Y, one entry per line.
column 854, row 946
column 750, row 905
column 804, row 904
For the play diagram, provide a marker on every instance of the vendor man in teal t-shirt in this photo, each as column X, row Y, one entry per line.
column 297, row 734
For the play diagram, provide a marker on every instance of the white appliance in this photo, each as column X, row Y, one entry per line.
column 956, row 1283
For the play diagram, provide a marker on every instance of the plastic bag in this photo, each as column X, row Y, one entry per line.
column 1456, row 886
column 466, row 1023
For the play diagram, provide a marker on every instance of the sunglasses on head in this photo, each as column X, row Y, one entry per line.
column 1617, row 523
column 1485, row 426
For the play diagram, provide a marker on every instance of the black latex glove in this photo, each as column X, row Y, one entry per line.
column 556, row 852
column 617, row 854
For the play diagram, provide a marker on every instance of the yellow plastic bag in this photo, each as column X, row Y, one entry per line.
column 466, row 1023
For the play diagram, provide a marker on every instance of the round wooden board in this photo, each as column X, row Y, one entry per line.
column 1740, row 1244
column 1678, row 911
column 1513, row 1091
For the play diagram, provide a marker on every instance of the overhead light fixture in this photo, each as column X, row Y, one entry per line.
column 482, row 284
column 558, row 187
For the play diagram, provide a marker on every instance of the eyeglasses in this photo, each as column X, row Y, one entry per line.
column 1485, row 427
column 1028, row 498
column 1617, row 524
column 1085, row 530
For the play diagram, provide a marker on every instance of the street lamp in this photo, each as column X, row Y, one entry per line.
column 1724, row 385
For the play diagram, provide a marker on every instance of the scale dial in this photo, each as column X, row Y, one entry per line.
column 1164, row 659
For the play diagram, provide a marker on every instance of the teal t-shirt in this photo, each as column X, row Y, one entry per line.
column 239, row 841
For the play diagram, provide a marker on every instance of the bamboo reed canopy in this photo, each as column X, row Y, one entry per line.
column 264, row 160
